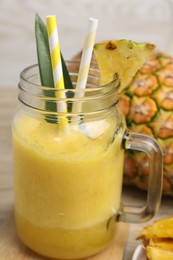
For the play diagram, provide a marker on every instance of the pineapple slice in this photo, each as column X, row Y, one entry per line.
column 120, row 57
column 161, row 229
column 154, row 253
column 162, row 243
column 160, row 249
column 158, row 239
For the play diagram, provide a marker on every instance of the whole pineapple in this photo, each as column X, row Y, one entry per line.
column 148, row 106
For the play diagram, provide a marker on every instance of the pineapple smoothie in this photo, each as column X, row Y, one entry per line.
column 67, row 186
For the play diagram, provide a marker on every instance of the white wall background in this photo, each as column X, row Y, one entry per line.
column 141, row 20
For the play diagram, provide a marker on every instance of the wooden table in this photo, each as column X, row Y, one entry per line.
column 8, row 100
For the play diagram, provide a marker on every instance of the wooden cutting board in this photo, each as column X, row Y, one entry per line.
column 12, row 249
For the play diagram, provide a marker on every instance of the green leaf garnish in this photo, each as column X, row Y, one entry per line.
column 43, row 53
column 45, row 66
column 44, row 60
column 67, row 82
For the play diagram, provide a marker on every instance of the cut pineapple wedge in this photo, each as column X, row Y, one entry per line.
column 158, row 239
column 154, row 253
column 160, row 229
column 160, row 249
column 120, row 57
column 162, row 243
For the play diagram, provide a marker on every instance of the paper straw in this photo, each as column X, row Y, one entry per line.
column 56, row 61
column 85, row 60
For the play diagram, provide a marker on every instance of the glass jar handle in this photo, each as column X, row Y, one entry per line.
column 144, row 143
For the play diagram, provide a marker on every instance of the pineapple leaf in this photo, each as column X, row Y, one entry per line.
column 44, row 61
column 67, row 79
column 43, row 53
column 67, row 82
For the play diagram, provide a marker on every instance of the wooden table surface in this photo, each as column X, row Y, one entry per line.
column 8, row 101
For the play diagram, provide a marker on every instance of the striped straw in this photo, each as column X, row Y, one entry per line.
column 85, row 60
column 56, row 61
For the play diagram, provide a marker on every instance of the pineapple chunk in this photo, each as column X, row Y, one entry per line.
column 161, row 229
column 120, row 57
column 160, row 249
column 154, row 253
column 158, row 239
column 162, row 243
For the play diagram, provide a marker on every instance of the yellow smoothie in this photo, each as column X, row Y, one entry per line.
column 67, row 185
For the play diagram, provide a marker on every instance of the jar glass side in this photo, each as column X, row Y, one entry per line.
column 68, row 183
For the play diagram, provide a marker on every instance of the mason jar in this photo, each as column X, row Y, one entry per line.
column 68, row 147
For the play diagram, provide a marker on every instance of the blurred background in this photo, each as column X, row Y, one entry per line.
column 140, row 20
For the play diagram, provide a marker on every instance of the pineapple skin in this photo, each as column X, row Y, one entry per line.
column 148, row 106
